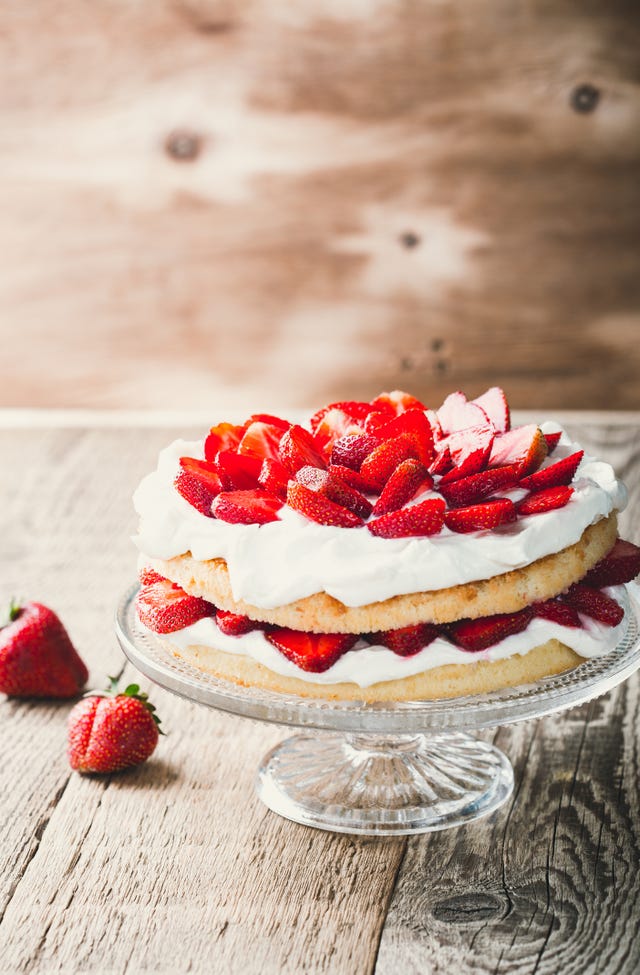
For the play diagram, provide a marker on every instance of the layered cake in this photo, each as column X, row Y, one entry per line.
column 384, row 551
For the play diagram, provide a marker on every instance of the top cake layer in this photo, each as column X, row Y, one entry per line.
column 292, row 556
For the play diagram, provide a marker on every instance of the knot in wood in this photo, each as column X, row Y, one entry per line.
column 468, row 908
column 183, row 145
column 409, row 239
column 585, row 98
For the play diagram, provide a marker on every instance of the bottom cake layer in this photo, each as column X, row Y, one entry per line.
column 450, row 680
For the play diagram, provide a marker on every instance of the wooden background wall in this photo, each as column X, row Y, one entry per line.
column 280, row 201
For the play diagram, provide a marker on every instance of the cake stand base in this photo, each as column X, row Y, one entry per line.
column 384, row 785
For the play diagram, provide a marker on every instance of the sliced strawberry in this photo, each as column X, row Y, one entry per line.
column 620, row 565
column 398, row 401
column 494, row 403
column 274, row 421
column 238, row 472
column 273, row 478
column 552, row 441
column 408, row 640
column 355, row 410
column 547, row 500
column 526, row 446
column 481, row 517
column 442, row 461
column 562, row 472
column 479, row 634
column 478, row 486
column 204, row 471
column 382, row 462
column 403, row 485
column 224, row 436
column 319, row 508
column 353, row 478
column 351, row 450
column 557, row 612
column 299, row 449
column 334, row 425
column 315, row 652
column 261, row 440
column 425, row 518
column 469, row 450
column 334, row 488
column 194, row 491
column 234, row 624
column 594, row 603
column 457, row 413
column 165, row 608
column 415, row 424
column 246, row 507
column 148, row 576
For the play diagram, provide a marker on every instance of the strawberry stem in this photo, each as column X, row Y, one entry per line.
column 12, row 614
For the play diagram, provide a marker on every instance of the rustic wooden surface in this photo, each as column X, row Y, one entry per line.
column 317, row 199
column 177, row 867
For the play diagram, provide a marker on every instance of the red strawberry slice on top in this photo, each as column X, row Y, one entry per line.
column 457, row 413
column 378, row 466
column 193, row 490
column 273, row 478
column 552, row 441
column 474, row 488
column 525, row 446
column 224, row 436
column 355, row 411
column 469, row 451
column 562, row 472
column 353, row 478
column 238, row 472
column 409, row 477
column 398, row 401
column 620, row 565
column 319, row 508
column 547, row 500
column 351, row 450
column 314, row 652
column 164, row 607
column 334, row 488
column 415, row 424
column 298, row 448
column 481, row 517
column 475, row 635
column 246, row 507
column 494, row 403
column 261, row 440
column 424, row 518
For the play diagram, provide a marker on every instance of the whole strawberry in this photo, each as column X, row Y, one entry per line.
column 109, row 731
column 37, row 658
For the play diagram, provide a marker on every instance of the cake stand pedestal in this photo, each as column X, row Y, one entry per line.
column 382, row 769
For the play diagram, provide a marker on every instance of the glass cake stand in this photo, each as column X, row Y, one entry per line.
column 381, row 769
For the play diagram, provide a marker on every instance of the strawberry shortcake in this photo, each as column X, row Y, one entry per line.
column 384, row 551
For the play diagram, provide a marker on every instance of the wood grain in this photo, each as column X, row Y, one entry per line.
column 175, row 866
column 280, row 204
column 551, row 883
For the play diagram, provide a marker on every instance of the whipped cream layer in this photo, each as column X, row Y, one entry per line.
column 274, row 564
column 366, row 664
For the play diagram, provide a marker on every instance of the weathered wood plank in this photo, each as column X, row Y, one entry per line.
column 300, row 204
column 176, row 866
column 551, row 883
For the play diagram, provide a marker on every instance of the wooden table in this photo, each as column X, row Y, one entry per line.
column 177, row 867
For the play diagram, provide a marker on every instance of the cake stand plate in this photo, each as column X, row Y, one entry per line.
column 382, row 769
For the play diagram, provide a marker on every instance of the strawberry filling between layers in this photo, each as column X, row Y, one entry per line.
column 587, row 617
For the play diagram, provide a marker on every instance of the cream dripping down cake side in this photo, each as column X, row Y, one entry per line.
column 384, row 551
